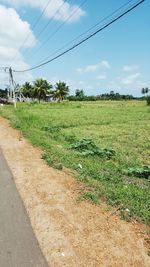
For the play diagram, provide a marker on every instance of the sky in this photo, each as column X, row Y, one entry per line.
column 115, row 59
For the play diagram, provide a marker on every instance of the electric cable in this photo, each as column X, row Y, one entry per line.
column 85, row 32
column 59, row 27
column 33, row 27
column 48, row 23
column 50, row 20
column 85, row 39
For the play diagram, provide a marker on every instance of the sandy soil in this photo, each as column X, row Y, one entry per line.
column 70, row 233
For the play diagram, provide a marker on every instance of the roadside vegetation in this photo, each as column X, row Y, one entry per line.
column 106, row 143
column 43, row 90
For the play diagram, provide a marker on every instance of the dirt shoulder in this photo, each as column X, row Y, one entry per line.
column 70, row 233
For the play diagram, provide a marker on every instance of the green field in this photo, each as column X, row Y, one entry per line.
column 121, row 126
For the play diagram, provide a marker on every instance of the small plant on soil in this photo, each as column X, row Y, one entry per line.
column 90, row 196
column 51, row 129
column 87, row 147
column 141, row 172
column 51, row 163
column 148, row 100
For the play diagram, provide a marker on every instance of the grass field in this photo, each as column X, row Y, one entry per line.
column 121, row 126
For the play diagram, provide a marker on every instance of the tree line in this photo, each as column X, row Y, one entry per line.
column 43, row 90
column 145, row 91
column 3, row 93
column 80, row 96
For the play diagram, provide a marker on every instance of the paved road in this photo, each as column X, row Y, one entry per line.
column 18, row 245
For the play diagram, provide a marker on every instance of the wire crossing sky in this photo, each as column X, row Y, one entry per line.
column 58, row 28
column 110, row 60
column 48, row 23
column 87, row 38
column 34, row 25
column 85, row 32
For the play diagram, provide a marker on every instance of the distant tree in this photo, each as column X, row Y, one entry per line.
column 112, row 95
column 115, row 96
column 27, row 90
column 145, row 90
column 61, row 91
column 79, row 95
column 3, row 93
column 54, row 94
column 148, row 100
column 41, row 89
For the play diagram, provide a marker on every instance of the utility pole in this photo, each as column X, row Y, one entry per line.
column 12, row 87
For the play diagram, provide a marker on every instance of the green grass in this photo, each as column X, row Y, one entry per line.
column 123, row 127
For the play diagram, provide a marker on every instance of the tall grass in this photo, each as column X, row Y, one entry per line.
column 121, row 126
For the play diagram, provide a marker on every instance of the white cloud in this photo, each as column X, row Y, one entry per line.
column 129, row 68
column 130, row 79
column 13, row 30
column 89, row 87
column 65, row 9
column 93, row 68
column 105, row 64
column 12, row 34
column 82, row 83
column 101, row 77
column 89, row 68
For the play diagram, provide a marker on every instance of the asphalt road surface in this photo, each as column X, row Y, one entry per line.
column 18, row 245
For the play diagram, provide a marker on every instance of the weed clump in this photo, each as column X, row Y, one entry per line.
column 47, row 159
column 90, row 196
column 51, row 129
column 141, row 172
column 51, row 162
column 148, row 100
column 87, row 147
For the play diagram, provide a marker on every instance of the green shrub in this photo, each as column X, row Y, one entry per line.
column 148, row 100
column 87, row 147
column 142, row 172
column 90, row 196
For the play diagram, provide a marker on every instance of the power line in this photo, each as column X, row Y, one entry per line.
column 85, row 39
column 41, row 15
column 33, row 27
column 88, row 30
column 59, row 27
column 50, row 20
column 45, row 27
column 70, row 42
column 88, row 37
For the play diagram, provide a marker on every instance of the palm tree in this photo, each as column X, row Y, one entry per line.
column 27, row 90
column 61, row 91
column 145, row 90
column 41, row 89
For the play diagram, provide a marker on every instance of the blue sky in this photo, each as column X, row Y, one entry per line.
column 115, row 59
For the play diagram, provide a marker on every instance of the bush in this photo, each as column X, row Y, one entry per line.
column 148, row 100
column 87, row 147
